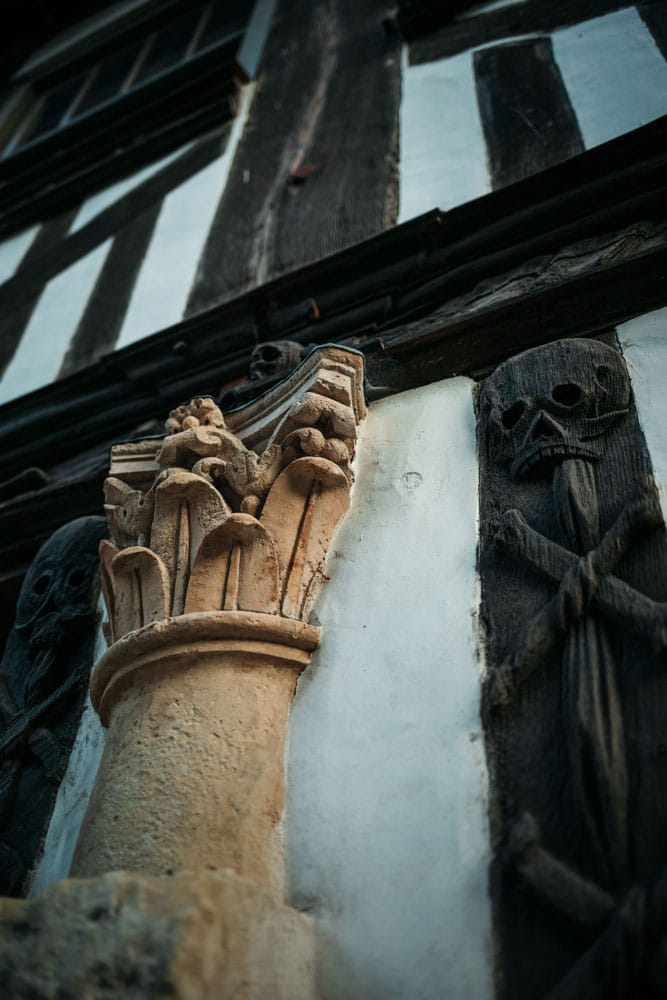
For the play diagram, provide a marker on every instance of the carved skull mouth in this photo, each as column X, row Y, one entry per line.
column 542, row 457
column 548, row 442
column 555, row 403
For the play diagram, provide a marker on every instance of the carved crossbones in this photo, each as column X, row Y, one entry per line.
column 551, row 412
column 583, row 582
column 629, row 944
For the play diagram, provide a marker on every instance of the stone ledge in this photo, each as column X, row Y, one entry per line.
column 193, row 936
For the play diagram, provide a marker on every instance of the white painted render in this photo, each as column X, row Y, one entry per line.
column 614, row 73
column 386, row 826
column 164, row 280
column 73, row 795
column 51, row 326
column 644, row 342
column 13, row 250
column 107, row 196
column 442, row 148
column 169, row 268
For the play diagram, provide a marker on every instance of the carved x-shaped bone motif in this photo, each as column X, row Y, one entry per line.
column 621, row 926
column 583, row 582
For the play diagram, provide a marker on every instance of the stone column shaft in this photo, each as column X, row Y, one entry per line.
column 218, row 550
column 192, row 773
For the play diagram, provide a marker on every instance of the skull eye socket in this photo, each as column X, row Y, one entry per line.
column 512, row 416
column 41, row 584
column 568, row 394
column 76, row 577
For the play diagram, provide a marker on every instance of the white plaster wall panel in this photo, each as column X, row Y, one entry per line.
column 168, row 270
column 442, row 148
column 74, row 793
column 54, row 320
column 386, row 823
column 614, row 73
column 103, row 199
column 13, row 250
column 47, row 336
column 644, row 342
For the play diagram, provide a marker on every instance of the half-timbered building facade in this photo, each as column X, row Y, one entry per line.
column 378, row 690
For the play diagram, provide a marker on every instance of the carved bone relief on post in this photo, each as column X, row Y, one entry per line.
column 573, row 560
column 43, row 679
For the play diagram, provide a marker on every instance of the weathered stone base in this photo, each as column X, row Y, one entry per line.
column 195, row 936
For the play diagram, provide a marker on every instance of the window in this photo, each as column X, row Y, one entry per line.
column 80, row 114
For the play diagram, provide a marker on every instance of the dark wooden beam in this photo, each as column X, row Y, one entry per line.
column 15, row 318
column 98, row 329
column 525, row 110
column 586, row 288
column 419, row 17
column 654, row 16
column 316, row 170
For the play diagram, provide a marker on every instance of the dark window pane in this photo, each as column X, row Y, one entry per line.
column 168, row 47
column 225, row 19
column 109, row 79
column 53, row 107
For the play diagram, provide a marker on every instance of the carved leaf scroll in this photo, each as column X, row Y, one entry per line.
column 238, row 561
column 212, row 524
column 309, row 496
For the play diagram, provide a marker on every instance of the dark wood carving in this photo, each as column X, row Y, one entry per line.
column 43, row 680
column 573, row 559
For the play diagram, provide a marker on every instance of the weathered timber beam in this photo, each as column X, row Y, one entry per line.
column 581, row 291
column 584, row 289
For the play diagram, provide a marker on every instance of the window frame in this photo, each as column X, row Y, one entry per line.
column 141, row 122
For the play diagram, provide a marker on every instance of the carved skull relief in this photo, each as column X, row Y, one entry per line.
column 276, row 357
column 573, row 561
column 556, row 404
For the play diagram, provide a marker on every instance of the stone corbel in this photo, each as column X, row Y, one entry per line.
column 221, row 530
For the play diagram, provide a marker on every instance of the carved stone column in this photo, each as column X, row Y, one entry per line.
column 221, row 530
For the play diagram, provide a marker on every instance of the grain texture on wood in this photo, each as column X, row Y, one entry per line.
column 316, row 168
column 579, row 291
column 526, row 113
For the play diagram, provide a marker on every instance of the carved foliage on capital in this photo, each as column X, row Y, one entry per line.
column 203, row 521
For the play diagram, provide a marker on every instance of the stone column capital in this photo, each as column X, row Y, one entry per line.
column 223, row 525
